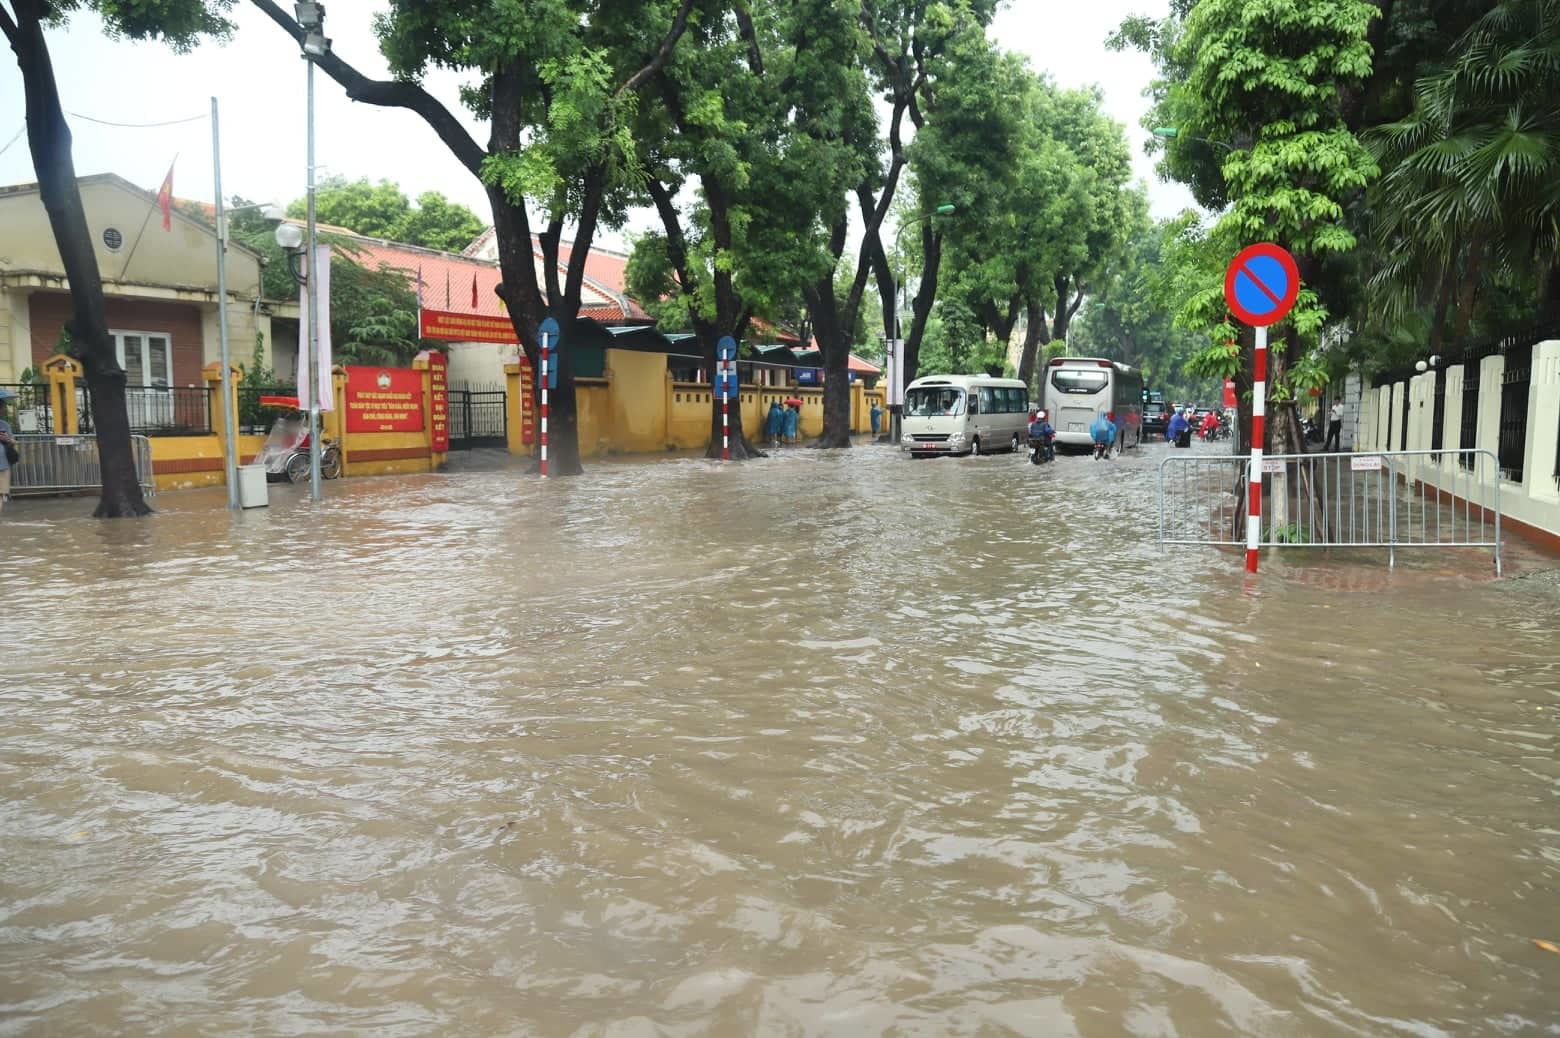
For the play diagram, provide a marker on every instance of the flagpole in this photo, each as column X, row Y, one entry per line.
column 229, row 426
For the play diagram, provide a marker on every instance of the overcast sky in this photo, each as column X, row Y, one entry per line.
column 259, row 83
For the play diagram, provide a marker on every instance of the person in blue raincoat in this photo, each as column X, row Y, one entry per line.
column 793, row 418
column 877, row 418
column 774, row 424
column 1179, row 431
column 1103, row 432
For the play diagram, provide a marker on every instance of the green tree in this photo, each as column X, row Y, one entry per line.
column 748, row 158
column 383, row 211
column 180, row 24
column 559, row 83
column 1278, row 87
column 1125, row 318
column 1467, row 203
column 373, row 309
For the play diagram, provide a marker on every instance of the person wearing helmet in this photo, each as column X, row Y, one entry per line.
column 1042, row 437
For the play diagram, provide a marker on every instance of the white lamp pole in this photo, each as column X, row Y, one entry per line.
column 311, row 17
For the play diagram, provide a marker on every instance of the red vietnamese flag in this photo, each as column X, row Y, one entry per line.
column 473, row 290
column 165, row 198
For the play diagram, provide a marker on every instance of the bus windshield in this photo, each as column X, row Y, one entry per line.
column 1079, row 380
column 928, row 401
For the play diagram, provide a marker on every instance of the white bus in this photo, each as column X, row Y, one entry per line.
column 1078, row 389
column 964, row 414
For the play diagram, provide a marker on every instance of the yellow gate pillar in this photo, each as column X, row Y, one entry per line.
column 63, row 372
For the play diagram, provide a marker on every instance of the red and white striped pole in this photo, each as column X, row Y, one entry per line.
column 725, row 409
column 1258, row 434
column 546, row 349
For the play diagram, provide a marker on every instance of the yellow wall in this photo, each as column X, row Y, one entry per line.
column 185, row 462
column 638, row 409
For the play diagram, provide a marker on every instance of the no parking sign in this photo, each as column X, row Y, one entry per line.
column 1260, row 286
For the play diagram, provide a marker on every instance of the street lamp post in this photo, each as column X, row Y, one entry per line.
column 311, row 18
column 895, row 411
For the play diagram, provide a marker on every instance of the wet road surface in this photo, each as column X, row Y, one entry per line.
column 826, row 744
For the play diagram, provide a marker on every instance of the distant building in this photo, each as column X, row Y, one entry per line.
column 160, row 286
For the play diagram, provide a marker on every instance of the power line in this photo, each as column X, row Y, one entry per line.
column 137, row 126
column 14, row 139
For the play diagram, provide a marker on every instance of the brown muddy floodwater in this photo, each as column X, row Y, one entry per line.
column 829, row 744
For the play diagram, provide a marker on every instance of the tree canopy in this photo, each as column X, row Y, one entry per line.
column 382, row 210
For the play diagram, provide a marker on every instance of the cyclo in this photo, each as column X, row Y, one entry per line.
column 285, row 454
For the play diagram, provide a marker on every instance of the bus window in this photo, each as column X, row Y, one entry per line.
column 1079, row 380
column 925, row 401
column 1018, row 400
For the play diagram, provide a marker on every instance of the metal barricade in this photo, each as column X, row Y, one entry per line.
column 1375, row 499
column 70, row 465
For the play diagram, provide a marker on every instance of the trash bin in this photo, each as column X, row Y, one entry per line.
column 252, row 491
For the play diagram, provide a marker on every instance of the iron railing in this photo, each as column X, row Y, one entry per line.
column 1469, row 435
column 1438, row 415
column 1374, row 499
column 156, row 410
column 1407, row 401
column 31, row 410
column 70, row 464
column 1514, row 411
column 254, row 417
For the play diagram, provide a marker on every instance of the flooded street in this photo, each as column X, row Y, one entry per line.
column 827, row 744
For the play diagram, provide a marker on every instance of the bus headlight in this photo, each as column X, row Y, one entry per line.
column 907, row 439
column 956, row 438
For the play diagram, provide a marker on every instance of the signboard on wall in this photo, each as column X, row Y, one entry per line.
column 438, row 402
column 527, row 401
column 446, row 326
column 383, row 399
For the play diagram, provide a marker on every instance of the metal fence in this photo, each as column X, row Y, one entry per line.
column 1379, row 499
column 1514, row 410
column 31, row 410
column 70, row 464
column 156, row 410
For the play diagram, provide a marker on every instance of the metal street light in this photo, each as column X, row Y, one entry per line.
column 316, row 45
column 1171, row 133
column 895, row 411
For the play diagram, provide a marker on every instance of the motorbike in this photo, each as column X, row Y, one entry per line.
column 1041, row 449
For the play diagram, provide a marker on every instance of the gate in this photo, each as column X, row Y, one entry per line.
column 478, row 418
column 70, row 464
column 1377, row 499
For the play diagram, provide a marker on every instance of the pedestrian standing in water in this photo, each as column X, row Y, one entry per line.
column 7, row 452
column 877, row 419
column 793, row 420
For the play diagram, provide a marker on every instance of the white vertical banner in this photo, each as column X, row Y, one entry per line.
column 896, row 372
column 322, row 359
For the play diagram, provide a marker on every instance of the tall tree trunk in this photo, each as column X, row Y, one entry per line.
column 1034, row 327
column 1065, row 308
column 835, row 340
column 925, row 296
column 49, row 139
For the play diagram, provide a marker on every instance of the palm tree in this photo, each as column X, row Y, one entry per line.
column 1468, row 195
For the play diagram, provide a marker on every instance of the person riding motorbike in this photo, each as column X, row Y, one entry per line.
column 1210, row 425
column 1042, row 439
column 1179, row 431
column 1103, row 432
